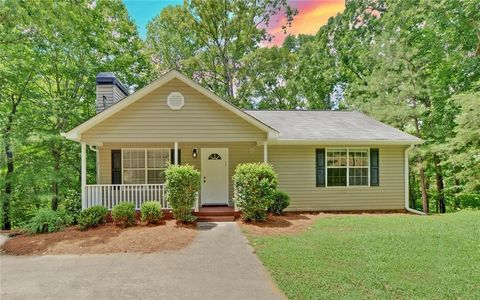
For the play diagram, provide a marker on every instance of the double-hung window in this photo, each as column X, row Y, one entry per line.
column 140, row 166
column 347, row 167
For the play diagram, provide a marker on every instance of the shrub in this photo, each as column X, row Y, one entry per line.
column 151, row 212
column 71, row 204
column 254, row 188
column 92, row 217
column 124, row 214
column 46, row 220
column 182, row 186
column 280, row 201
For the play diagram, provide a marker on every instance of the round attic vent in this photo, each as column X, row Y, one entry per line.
column 175, row 100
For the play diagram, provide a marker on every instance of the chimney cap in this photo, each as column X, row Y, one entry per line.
column 109, row 78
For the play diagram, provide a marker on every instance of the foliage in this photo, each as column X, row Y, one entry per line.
column 47, row 220
column 92, row 217
column 50, row 54
column 465, row 146
column 123, row 214
column 384, row 257
column 254, row 189
column 182, row 185
column 281, row 200
column 206, row 39
column 151, row 212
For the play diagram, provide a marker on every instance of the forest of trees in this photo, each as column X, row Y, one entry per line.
column 414, row 64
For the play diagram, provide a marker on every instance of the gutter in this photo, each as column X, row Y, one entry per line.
column 407, row 187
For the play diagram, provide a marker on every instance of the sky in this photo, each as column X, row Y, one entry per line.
column 312, row 14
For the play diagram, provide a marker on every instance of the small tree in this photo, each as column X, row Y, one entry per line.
column 183, row 183
column 254, row 189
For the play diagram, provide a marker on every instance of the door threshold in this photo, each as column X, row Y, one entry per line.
column 215, row 205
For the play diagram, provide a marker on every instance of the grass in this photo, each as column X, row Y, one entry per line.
column 378, row 257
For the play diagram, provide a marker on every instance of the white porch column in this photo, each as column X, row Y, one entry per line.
column 175, row 153
column 265, row 151
column 84, row 174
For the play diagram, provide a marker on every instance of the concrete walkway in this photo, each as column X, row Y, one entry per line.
column 219, row 264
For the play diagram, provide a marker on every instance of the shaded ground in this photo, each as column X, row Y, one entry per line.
column 218, row 264
column 293, row 223
column 104, row 239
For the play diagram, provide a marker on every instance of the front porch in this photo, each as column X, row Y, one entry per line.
column 109, row 195
column 114, row 173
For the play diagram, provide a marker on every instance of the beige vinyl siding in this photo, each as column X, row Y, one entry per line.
column 239, row 152
column 295, row 166
column 151, row 120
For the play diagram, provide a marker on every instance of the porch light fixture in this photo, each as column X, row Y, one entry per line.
column 194, row 153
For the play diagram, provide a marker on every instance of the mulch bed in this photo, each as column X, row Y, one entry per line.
column 296, row 222
column 107, row 238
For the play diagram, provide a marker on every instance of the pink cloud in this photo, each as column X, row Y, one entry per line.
column 311, row 16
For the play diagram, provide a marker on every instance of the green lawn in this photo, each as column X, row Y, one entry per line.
column 378, row 257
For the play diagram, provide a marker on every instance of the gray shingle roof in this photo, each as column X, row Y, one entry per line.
column 300, row 125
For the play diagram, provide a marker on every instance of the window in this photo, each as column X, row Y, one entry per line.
column 144, row 165
column 214, row 156
column 347, row 167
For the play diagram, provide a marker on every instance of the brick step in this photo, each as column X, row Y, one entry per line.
column 216, row 213
column 216, row 219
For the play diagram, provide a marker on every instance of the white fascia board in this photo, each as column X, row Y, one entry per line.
column 75, row 133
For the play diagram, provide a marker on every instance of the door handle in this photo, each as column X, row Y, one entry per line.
column 204, row 179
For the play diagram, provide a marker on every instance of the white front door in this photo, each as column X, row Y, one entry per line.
column 214, row 175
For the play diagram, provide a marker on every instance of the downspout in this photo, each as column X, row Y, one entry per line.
column 407, row 187
column 97, row 163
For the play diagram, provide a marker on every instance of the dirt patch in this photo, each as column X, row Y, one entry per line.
column 294, row 222
column 104, row 239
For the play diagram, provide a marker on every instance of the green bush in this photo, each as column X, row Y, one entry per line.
column 124, row 214
column 47, row 220
column 92, row 217
column 254, row 188
column 280, row 201
column 71, row 203
column 183, row 183
column 151, row 212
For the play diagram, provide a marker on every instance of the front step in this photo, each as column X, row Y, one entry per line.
column 216, row 218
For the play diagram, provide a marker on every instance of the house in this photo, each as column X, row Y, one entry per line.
column 325, row 160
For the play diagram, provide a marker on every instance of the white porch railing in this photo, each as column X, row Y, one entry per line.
column 109, row 195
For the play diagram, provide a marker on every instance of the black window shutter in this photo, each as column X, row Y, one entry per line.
column 320, row 167
column 172, row 156
column 374, row 167
column 116, row 166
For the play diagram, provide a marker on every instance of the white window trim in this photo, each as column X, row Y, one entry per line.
column 347, row 166
column 146, row 163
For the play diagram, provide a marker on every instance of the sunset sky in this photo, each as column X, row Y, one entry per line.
column 311, row 15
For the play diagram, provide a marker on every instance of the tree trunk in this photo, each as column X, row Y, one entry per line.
column 456, row 201
column 440, row 186
column 56, row 171
column 413, row 196
column 8, row 189
column 423, row 187
column 7, row 131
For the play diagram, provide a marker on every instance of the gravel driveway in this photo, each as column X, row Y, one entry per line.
column 219, row 264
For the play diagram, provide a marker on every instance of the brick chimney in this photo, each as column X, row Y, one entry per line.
column 110, row 90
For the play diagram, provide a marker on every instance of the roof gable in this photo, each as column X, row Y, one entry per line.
column 75, row 133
